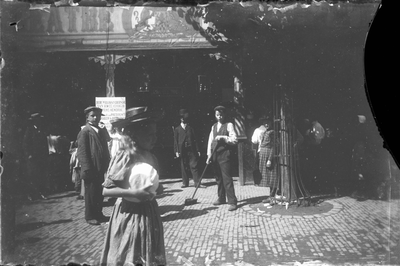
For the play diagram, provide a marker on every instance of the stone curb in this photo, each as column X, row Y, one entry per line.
column 337, row 207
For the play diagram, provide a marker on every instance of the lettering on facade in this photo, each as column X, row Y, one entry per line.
column 54, row 24
column 105, row 20
column 89, row 19
column 96, row 19
column 72, row 16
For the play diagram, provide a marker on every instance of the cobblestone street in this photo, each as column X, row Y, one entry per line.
column 54, row 232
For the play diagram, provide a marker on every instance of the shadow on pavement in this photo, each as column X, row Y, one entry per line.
column 244, row 202
column 170, row 208
column 164, row 195
column 172, row 190
column 30, row 240
column 180, row 213
column 209, row 183
column 184, row 214
column 32, row 226
column 67, row 195
column 169, row 181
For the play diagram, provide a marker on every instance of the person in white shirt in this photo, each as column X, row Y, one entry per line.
column 222, row 138
column 114, row 144
column 256, row 139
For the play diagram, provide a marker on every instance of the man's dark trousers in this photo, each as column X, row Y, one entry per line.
column 191, row 159
column 222, row 167
column 94, row 197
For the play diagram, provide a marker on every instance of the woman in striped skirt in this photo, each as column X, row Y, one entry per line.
column 267, row 161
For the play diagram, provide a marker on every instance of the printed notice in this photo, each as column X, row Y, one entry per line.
column 113, row 107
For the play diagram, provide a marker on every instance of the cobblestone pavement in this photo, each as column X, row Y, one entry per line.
column 54, row 232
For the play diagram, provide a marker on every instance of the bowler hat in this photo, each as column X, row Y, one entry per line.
column 220, row 108
column 263, row 119
column 137, row 114
column 92, row 108
column 36, row 116
column 183, row 113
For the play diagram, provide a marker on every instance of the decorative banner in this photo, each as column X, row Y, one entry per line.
column 74, row 28
column 113, row 107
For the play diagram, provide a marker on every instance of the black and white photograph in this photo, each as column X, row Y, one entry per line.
column 195, row 133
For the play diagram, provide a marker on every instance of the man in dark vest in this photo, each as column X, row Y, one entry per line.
column 94, row 158
column 186, row 148
column 222, row 138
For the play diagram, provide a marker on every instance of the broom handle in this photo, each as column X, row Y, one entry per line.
column 204, row 171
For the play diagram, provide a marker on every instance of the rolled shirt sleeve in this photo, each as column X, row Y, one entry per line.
column 256, row 136
column 210, row 139
column 232, row 138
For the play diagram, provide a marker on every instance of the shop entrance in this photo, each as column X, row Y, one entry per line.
column 172, row 80
column 168, row 80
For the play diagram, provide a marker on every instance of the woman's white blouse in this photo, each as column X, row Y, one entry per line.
column 143, row 175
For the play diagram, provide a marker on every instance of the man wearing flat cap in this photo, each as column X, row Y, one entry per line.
column 186, row 148
column 221, row 139
column 94, row 157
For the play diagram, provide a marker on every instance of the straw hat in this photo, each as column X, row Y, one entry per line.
column 137, row 114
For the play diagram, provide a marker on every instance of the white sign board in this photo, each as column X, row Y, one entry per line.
column 113, row 107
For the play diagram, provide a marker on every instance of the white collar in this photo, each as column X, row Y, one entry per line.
column 94, row 128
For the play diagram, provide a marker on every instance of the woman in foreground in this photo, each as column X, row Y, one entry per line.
column 135, row 233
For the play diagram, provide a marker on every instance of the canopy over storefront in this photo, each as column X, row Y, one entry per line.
column 47, row 28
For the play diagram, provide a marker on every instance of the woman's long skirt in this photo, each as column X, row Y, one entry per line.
column 269, row 175
column 135, row 235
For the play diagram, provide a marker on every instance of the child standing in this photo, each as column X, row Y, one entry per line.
column 222, row 137
column 135, row 232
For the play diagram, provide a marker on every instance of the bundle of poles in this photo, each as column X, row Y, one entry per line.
column 290, row 185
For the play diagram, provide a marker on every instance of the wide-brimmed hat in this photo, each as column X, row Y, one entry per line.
column 93, row 108
column 137, row 114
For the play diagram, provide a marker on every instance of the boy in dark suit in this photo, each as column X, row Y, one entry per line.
column 186, row 148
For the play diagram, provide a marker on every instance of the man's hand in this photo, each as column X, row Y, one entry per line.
column 177, row 154
column 221, row 138
column 208, row 161
column 268, row 163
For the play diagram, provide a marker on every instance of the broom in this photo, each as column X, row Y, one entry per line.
column 192, row 200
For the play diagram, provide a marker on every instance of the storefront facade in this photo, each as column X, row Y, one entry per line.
column 59, row 59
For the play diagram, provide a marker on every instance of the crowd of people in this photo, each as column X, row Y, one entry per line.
column 120, row 165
